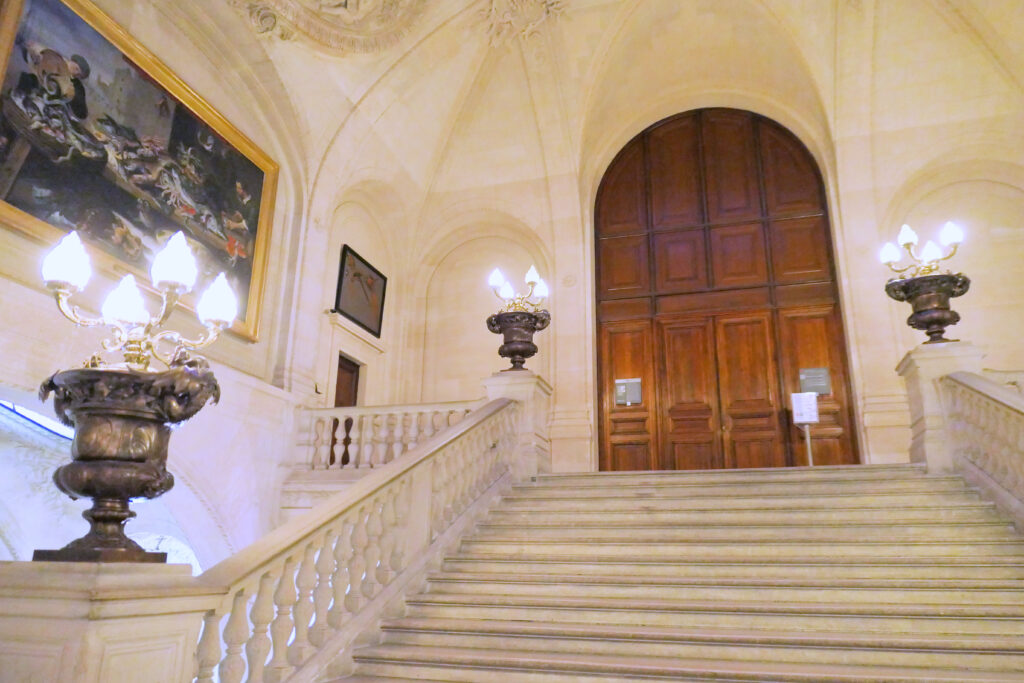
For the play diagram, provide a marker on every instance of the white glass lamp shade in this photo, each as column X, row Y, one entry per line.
column 532, row 276
column 67, row 263
column 218, row 305
column 506, row 291
column 931, row 252
column 906, row 236
column 496, row 280
column 540, row 290
column 951, row 234
column 125, row 304
column 175, row 265
column 890, row 253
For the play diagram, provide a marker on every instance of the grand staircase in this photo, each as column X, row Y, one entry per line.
column 870, row 573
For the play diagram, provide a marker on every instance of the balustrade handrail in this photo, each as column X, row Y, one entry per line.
column 288, row 597
column 396, row 408
column 990, row 389
column 240, row 566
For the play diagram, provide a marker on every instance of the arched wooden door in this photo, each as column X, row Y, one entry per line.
column 715, row 293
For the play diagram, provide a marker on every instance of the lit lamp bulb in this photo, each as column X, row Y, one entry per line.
column 906, row 236
column 532, row 276
column 506, row 292
column 890, row 253
column 125, row 304
column 951, row 234
column 496, row 280
column 541, row 289
column 931, row 252
column 218, row 306
column 175, row 266
column 67, row 263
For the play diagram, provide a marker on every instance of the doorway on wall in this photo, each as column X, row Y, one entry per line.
column 716, row 299
column 346, row 390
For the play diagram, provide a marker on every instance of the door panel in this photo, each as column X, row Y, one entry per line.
column 689, row 397
column 621, row 205
column 624, row 270
column 630, row 432
column 680, row 261
column 738, row 256
column 675, row 178
column 747, row 381
column 790, row 180
column 799, row 250
column 810, row 338
column 730, row 166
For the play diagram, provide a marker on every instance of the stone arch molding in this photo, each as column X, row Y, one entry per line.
column 340, row 25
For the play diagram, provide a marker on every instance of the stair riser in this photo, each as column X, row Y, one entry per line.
column 764, row 488
column 737, row 593
column 462, row 674
column 769, row 552
column 850, row 532
column 740, row 570
column 743, row 620
column 733, row 476
column 880, row 517
column 633, row 504
column 727, row 651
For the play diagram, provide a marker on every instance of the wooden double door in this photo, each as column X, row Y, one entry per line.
column 716, row 293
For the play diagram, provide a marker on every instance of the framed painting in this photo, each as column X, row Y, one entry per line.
column 360, row 295
column 98, row 136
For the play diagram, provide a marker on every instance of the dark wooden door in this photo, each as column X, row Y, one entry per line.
column 715, row 287
column 346, row 390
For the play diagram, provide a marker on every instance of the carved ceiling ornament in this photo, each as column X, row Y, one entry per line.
column 342, row 25
column 508, row 19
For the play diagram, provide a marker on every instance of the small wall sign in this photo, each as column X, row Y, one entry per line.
column 817, row 380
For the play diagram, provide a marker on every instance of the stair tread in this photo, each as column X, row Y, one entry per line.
column 660, row 666
column 931, row 561
column 619, row 580
column 958, row 641
column 1015, row 611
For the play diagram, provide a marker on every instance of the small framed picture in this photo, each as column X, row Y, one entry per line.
column 360, row 296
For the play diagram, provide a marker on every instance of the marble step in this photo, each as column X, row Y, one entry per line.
column 442, row 583
column 630, row 503
column 728, row 488
column 1005, row 620
column 992, row 653
column 624, row 547
column 830, row 472
column 474, row 665
column 949, row 568
column 971, row 512
column 710, row 530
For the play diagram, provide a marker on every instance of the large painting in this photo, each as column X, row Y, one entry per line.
column 98, row 136
column 360, row 293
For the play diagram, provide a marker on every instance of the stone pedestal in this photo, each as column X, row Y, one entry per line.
column 78, row 622
column 534, row 396
column 921, row 369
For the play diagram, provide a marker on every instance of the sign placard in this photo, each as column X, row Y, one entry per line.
column 816, row 380
column 805, row 407
column 628, row 392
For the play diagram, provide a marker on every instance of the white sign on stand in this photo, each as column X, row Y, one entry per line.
column 805, row 413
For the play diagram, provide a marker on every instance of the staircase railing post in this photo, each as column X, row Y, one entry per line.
column 533, row 455
column 921, row 369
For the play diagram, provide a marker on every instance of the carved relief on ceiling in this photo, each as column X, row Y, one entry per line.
column 344, row 25
column 507, row 19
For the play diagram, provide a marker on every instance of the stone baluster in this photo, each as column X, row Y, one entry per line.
column 305, row 582
column 341, row 579
column 357, row 449
column 262, row 612
column 413, row 433
column 236, row 633
column 374, row 528
column 437, row 497
column 395, row 436
column 317, row 460
column 357, row 565
column 208, row 653
column 279, row 668
column 388, row 535
column 401, row 507
column 325, row 563
column 430, row 424
column 375, row 446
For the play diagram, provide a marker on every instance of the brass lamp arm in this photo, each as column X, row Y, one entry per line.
column 62, row 295
column 180, row 342
column 170, row 295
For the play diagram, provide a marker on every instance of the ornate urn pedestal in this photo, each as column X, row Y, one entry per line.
column 122, row 420
column 517, row 329
column 929, row 297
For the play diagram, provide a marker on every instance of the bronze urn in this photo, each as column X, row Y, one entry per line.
column 517, row 329
column 929, row 297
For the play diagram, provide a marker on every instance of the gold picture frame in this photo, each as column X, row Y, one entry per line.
column 124, row 188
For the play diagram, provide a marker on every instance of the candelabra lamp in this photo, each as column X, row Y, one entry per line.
column 922, row 285
column 122, row 411
column 521, row 316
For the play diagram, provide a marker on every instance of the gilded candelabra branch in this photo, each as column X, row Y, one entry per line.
column 925, row 262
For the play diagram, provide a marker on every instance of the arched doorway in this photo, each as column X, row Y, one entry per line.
column 716, row 293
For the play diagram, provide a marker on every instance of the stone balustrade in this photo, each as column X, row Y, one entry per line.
column 370, row 436
column 985, row 425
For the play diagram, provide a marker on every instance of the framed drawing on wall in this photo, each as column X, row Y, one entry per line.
column 98, row 136
column 360, row 295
